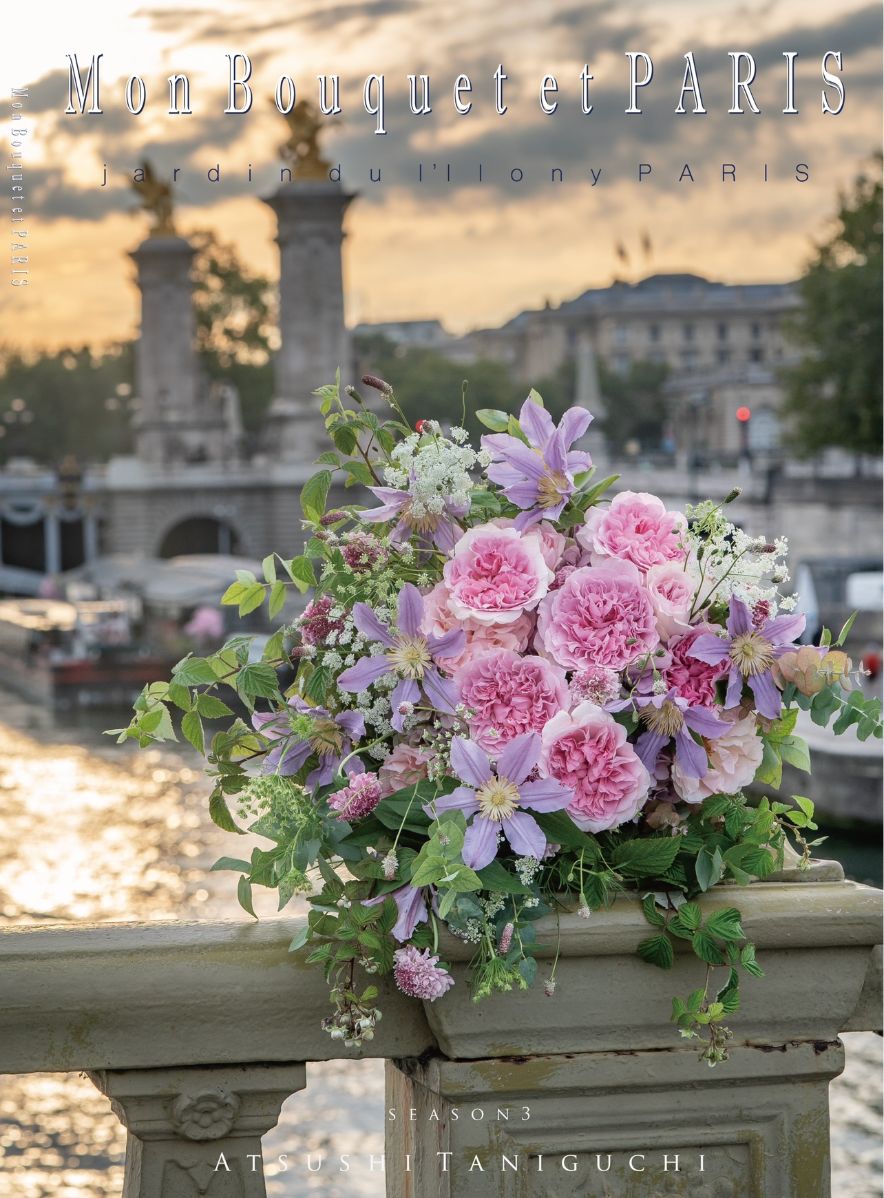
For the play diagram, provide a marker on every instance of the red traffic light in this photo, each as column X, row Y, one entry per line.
column 744, row 415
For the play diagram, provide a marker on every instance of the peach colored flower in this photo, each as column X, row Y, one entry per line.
column 480, row 638
column 672, row 591
column 733, row 759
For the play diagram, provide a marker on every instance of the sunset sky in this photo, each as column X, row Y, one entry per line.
column 469, row 254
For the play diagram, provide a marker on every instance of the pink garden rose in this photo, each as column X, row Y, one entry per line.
column 587, row 750
column 480, row 638
column 672, row 591
column 635, row 527
column 510, row 695
column 693, row 679
column 600, row 616
column 733, row 759
column 405, row 766
column 495, row 575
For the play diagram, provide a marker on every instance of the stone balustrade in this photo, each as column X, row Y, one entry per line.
column 198, row 1033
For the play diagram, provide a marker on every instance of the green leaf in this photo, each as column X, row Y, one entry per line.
column 845, row 631
column 192, row 727
column 652, row 912
column 277, row 598
column 193, row 671
column 314, row 495
column 211, row 708
column 498, row 879
column 708, row 867
column 725, row 924
column 244, row 895
column 269, row 567
column 794, row 751
column 706, row 948
column 497, row 421
column 252, row 598
column 317, row 684
column 645, row 857
column 770, row 772
column 299, row 939
column 257, row 680
column 657, row 950
column 220, row 813
column 235, row 863
column 273, row 650
column 300, row 571
column 690, row 916
column 747, row 960
column 561, row 829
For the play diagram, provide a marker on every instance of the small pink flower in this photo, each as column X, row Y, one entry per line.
column 419, row 974
column 406, row 766
column 635, row 527
column 480, row 638
column 601, row 616
column 358, row 798
column 316, row 623
column 693, row 679
column 587, row 750
column 734, row 758
column 595, row 685
column 495, row 575
column 510, row 695
column 672, row 591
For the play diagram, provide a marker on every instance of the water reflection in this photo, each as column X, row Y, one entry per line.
column 96, row 832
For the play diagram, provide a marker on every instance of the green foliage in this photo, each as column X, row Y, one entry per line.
column 834, row 392
column 635, row 405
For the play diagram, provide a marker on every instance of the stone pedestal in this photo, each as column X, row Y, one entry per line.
column 314, row 337
column 195, row 1132
column 620, row 1124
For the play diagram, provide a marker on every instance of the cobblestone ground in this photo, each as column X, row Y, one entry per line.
column 96, row 833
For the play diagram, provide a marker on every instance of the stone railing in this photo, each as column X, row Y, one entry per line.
column 199, row 1032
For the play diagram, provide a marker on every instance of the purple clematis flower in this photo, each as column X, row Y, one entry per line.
column 667, row 716
column 751, row 647
column 410, row 654
column 496, row 798
column 539, row 477
column 411, row 903
column 330, row 737
column 441, row 531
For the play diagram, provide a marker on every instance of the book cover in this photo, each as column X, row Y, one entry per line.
column 442, row 446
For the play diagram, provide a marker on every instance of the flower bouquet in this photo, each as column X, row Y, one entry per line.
column 510, row 693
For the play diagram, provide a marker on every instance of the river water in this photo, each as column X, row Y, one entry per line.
column 96, row 832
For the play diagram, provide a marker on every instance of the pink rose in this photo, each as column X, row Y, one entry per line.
column 693, row 679
column 405, row 766
column 495, row 575
column 672, row 591
column 552, row 543
column 480, row 638
column 600, row 616
column 637, row 528
column 733, row 759
column 587, row 750
column 510, row 695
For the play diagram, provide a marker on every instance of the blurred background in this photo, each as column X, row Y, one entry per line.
column 156, row 417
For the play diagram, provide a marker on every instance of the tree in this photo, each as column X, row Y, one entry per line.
column 635, row 406
column 78, row 400
column 429, row 384
column 236, row 330
column 834, row 394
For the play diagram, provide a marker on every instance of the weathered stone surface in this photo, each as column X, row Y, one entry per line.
column 626, row 1125
column 195, row 1132
column 814, row 942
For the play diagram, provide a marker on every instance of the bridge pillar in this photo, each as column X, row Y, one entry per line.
column 313, row 335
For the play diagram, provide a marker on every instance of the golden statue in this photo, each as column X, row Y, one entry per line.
column 156, row 198
column 301, row 148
